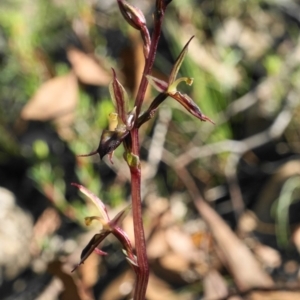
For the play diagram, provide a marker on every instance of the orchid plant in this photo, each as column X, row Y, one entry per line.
column 126, row 132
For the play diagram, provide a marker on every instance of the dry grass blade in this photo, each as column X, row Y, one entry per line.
column 71, row 290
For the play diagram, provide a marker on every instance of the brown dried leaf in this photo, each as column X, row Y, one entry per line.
column 127, row 226
column 54, row 99
column 268, row 256
column 247, row 222
column 214, row 285
column 89, row 271
column 160, row 290
column 275, row 295
column 123, row 285
column 296, row 238
column 182, row 244
column 71, row 290
column 239, row 260
column 120, row 287
column 87, row 69
column 174, row 262
column 48, row 222
column 157, row 245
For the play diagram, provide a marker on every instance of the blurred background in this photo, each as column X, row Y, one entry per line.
column 55, row 67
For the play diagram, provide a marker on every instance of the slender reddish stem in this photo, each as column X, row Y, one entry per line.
column 135, row 171
column 140, row 243
column 149, row 62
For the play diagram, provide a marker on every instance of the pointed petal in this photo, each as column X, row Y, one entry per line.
column 132, row 262
column 100, row 205
column 100, row 252
column 90, row 247
column 89, row 220
column 117, row 220
column 190, row 106
column 119, row 97
column 178, row 62
column 110, row 157
column 110, row 140
column 88, row 154
column 121, row 235
column 160, row 85
column 123, row 238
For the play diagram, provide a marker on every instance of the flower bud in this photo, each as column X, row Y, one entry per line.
column 133, row 15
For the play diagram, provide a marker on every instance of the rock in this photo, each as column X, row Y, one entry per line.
column 15, row 235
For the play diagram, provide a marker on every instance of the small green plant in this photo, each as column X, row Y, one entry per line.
column 126, row 132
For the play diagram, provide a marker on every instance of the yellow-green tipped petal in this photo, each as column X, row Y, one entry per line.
column 172, row 89
column 88, row 220
column 178, row 62
column 100, row 205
